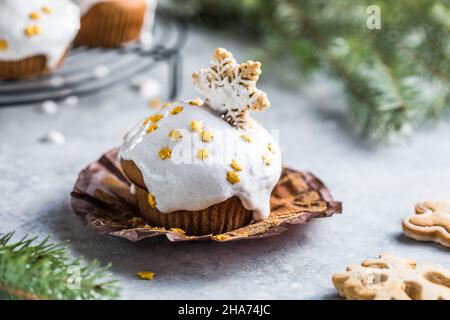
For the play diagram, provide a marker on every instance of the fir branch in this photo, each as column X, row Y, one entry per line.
column 32, row 270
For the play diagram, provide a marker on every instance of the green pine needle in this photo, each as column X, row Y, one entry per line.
column 33, row 270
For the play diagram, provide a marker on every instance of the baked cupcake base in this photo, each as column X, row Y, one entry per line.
column 25, row 68
column 112, row 23
column 219, row 218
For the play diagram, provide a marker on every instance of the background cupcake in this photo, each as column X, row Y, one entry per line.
column 110, row 23
column 34, row 36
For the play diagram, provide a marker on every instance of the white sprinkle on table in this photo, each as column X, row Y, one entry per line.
column 53, row 137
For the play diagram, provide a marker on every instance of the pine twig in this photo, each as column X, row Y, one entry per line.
column 32, row 270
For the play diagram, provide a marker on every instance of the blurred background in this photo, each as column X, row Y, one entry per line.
column 390, row 57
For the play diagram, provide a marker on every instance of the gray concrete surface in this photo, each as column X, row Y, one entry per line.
column 378, row 186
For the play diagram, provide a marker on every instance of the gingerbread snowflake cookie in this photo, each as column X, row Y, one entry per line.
column 230, row 88
column 430, row 223
column 392, row 278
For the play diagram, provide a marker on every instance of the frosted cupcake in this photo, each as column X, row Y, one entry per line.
column 110, row 23
column 206, row 167
column 35, row 35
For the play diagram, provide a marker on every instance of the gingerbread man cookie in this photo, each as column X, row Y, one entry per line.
column 392, row 278
column 430, row 223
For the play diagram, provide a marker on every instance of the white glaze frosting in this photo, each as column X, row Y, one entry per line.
column 58, row 27
column 184, row 182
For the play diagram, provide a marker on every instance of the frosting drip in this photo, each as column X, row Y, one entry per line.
column 37, row 27
column 191, row 159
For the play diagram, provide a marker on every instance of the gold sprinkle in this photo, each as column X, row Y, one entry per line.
column 206, row 136
column 233, row 177
column 266, row 160
column 31, row 31
column 202, row 154
column 151, row 200
column 165, row 105
column 46, row 9
column 175, row 135
column 236, row 166
column 177, row 230
column 197, row 125
column 154, row 103
column 152, row 128
column 156, row 117
column 220, row 237
column 3, row 45
column 146, row 275
column 34, row 15
column 176, row 110
column 165, row 153
column 37, row 30
column 246, row 138
column 197, row 102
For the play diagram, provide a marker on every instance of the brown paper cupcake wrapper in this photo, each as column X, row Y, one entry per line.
column 101, row 198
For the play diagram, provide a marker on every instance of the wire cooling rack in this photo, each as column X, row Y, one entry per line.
column 88, row 71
